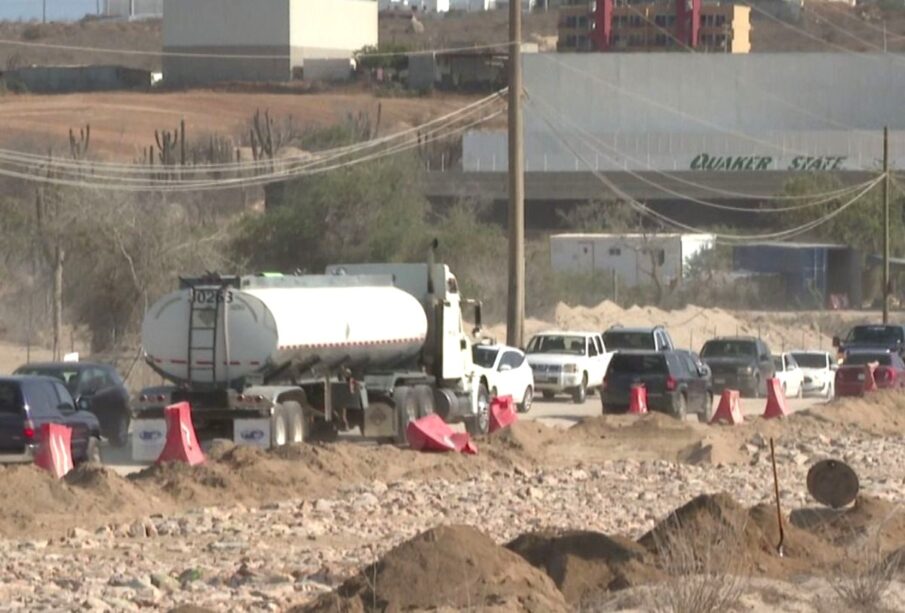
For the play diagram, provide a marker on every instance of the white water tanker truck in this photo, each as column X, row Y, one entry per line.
column 267, row 360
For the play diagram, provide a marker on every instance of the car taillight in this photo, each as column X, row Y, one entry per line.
column 28, row 431
column 671, row 383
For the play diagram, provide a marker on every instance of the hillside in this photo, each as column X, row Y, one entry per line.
column 837, row 25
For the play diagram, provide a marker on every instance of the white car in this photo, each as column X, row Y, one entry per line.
column 568, row 362
column 818, row 369
column 789, row 375
column 506, row 372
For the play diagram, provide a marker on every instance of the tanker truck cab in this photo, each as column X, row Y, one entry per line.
column 268, row 360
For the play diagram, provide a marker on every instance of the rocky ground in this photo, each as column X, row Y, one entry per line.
column 273, row 555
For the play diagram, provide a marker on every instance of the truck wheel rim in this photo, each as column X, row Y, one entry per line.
column 279, row 433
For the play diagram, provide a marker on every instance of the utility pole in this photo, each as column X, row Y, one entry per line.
column 515, row 320
column 44, row 12
column 886, row 225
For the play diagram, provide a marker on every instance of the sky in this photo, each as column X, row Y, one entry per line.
column 26, row 10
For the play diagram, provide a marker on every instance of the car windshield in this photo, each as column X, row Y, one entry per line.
column 875, row 334
column 777, row 364
column 556, row 343
column 69, row 376
column 728, row 349
column 857, row 359
column 629, row 363
column 810, row 360
column 628, row 340
column 484, row 356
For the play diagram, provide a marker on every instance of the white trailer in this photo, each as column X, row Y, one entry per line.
column 268, row 360
column 635, row 258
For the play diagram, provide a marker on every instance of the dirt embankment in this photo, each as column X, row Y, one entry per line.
column 93, row 496
column 454, row 567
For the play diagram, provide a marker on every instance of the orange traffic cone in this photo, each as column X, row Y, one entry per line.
column 728, row 411
column 776, row 400
column 182, row 444
column 55, row 450
column 637, row 404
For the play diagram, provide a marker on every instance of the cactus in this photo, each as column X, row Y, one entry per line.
column 166, row 146
column 262, row 136
column 78, row 148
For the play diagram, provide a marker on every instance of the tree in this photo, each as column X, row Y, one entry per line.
column 373, row 211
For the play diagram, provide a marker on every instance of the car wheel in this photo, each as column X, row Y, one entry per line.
column 528, row 399
column 279, row 427
column 120, row 435
column 680, row 408
column 706, row 413
column 800, row 392
column 494, row 393
column 757, row 390
column 548, row 395
column 480, row 423
column 93, row 453
column 580, row 394
column 406, row 411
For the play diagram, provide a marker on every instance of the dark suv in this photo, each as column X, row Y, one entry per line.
column 27, row 403
column 95, row 387
column 676, row 383
column 876, row 337
column 656, row 338
column 743, row 363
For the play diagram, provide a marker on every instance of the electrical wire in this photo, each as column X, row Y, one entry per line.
column 83, row 166
column 822, row 198
column 728, row 238
column 238, row 56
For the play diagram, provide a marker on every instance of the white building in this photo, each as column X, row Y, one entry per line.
column 264, row 40
column 472, row 6
column 132, row 8
column 635, row 258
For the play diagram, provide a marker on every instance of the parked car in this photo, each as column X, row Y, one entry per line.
column 675, row 383
column 655, row 338
column 506, row 373
column 789, row 374
column 743, row 363
column 876, row 337
column 95, row 386
column 568, row 362
column 818, row 369
column 851, row 377
column 29, row 402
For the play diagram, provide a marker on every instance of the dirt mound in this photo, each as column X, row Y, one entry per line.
column 584, row 563
column 867, row 517
column 882, row 413
column 455, row 567
column 714, row 450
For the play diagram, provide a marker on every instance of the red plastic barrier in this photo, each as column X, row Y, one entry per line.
column 182, row 444
column 728, row 410
column 502, row 412
column 431, row 433
column 870, row 382
column 776, row 400
column 637, row 404
column 55, row 450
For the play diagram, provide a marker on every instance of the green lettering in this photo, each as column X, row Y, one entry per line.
column 752, row 160
column 738, row 163
column 698, row 162
column 764, row 163
column 796, row 163
column 838, row 163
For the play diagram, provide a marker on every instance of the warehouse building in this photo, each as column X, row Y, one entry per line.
column 264, row 40
column 609, row 25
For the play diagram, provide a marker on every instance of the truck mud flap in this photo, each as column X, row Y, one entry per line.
column 252, row 432
column 148, row 439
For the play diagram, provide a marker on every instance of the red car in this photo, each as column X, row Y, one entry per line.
column 854, row 376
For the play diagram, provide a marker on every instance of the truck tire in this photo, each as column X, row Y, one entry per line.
column 680, row 408
column 580, row 394
column 295, row 421
column 480, row 423
column 93, row 452
column 279, row 427
column 119, row 435
column 424, row 397
column 406, row 411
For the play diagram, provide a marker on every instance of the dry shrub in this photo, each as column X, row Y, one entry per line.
column 865, row 575
column 707, row 568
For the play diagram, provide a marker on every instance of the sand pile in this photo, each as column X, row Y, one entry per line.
column 450, row 567
column 689, row 327
column 867, row 518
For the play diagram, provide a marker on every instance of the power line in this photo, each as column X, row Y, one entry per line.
column 238, row 56
column 731, row 238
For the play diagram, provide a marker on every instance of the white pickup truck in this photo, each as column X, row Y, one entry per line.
column 568, row 362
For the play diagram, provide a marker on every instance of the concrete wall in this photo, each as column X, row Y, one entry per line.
column 123, row 8
column 684, row 92
column 64, row 79
column 340, row 26
column 328, row 70
column 226, row 23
